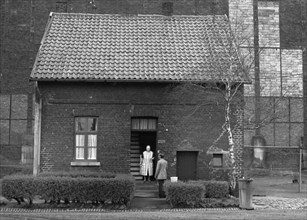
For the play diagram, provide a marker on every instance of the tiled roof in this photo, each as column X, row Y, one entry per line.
column 136, row 47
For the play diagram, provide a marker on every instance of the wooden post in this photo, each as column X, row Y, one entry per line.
column 37, row 132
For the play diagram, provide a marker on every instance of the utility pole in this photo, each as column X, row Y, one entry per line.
column 257, row 66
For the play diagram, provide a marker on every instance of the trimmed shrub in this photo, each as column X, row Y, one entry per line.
column 181, row 194
column 78, row 174
column 214, row 189
column 119, row 190
column 19, row 187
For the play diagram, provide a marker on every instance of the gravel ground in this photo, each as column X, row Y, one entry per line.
column 280, row 203
column 175, row 214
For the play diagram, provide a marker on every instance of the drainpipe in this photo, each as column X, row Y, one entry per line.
column 37, row 130
column 304, row 48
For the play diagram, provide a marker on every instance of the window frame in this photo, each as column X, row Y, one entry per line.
column 86, row 133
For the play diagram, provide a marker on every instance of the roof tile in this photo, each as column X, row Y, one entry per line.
column 139, row 47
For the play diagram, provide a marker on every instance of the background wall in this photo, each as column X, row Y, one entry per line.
column 281, row 40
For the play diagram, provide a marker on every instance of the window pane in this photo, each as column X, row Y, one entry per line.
column 92, row 153
column 135, row 123
column 143, row 124
column 92, row 140
column 92, row 124
column 5, row 103
column 18, row 128
column 4, row 131
column 80, row 153
column 80, row 140
column 19, row 108
column 152, row 124
column 217, row 160
column 81, row 124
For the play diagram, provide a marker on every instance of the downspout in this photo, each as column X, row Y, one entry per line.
column 37, row 130
column 304, row 48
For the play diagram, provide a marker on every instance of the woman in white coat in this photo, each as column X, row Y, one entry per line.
column 146, row 163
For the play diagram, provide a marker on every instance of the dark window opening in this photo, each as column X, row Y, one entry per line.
column 291, row 17
column 167, row 8
column 61, row 7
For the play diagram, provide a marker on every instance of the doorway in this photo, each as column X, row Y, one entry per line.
column 143, row 133
column 187, row 165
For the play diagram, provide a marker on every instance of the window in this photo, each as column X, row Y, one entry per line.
column 144, row 124
column 167, row 8
column 86, row 138
column 61, row 6
column 13, row 118
column 217, row 160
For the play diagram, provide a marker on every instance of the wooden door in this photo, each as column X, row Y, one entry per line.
column 187, row 165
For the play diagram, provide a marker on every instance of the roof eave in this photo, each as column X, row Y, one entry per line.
column 132, row 80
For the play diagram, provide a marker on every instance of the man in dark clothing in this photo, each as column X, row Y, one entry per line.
column 161, row 174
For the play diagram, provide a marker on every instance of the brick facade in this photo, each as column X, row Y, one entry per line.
column 115, row 104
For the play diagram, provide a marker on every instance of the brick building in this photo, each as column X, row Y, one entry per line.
column 104, row 92
column 280, row 25
column 274, row 100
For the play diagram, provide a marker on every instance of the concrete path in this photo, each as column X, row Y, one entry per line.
column 147, row 198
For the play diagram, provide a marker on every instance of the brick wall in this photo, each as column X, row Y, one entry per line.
column 241, row 18
column 268, row 17
column 281, row 75
column 292, row 72
column 115, row 104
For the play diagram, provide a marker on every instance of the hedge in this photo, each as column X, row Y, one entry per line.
column 118, row 190
column 77, row 174
column 214, row 189
column 181, row 194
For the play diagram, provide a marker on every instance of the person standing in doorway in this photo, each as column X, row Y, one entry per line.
column 161, row 174
column 146, row 163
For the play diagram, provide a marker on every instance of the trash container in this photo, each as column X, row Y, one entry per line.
column 246, row 194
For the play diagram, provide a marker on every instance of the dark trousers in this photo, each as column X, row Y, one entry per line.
column 161, row 190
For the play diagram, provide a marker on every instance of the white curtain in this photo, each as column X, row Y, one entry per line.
column 144, row 123
column 152, row 124
column 135, row 124
column 92, row 147
column 80, row 146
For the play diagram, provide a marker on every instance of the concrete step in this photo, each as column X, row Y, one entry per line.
column 146, row 186
column 146, row 194
column 149, row 203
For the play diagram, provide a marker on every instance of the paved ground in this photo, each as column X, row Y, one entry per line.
column 279, row 203
column 147, row 198
column 175, row 214
column 279, row 186
column 279, row 192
